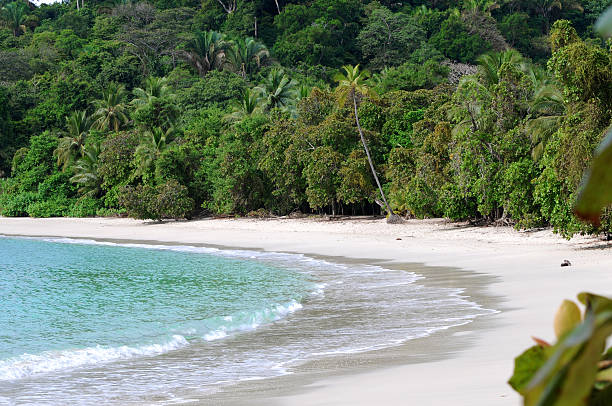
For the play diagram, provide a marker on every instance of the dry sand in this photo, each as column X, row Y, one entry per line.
column 528, row 280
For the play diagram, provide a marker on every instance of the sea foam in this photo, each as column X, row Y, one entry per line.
column 250, row 321
column 33, row 364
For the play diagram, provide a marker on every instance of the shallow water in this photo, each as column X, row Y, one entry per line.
column 85, row 322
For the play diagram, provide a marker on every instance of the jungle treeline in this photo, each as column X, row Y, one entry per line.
column 475, row 109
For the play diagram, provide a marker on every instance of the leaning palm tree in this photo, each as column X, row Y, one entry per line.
column 111, row 111
column 351, row 84
column 246, row 106
column 86, row 171
column 155, row 142
column 244, row 56
column 14, row 14
column 155, row 88
column 277, row 90
column 71, row 146
column 206, row 51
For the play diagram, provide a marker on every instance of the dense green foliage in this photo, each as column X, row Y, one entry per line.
column 485, row 110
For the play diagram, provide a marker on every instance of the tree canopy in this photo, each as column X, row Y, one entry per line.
column 480, row 110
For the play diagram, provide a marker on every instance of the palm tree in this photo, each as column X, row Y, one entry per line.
column 547, row 109
column 155, row 142
column 277, row 90
column 484, row 6
column 377, row 79
column 351, row 85
column 205, row 52
column 476, row 90
column 155, row 88
column 15, row 14
column 474, row 98
column 245, row 55
column 86, row 171
column 246, row 106
column 303, row 92
column 154, row 96
column 72, row 145
column 491, row 63
column 110, row 110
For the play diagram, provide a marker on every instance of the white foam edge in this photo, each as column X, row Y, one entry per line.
column 259, row 317
column 27, row 365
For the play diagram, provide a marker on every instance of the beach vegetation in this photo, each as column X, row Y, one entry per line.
column 481, row 111
column 168, row 200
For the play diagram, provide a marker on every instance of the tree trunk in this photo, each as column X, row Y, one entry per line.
column 277, row 6
column 231, row 6
column 367, row 151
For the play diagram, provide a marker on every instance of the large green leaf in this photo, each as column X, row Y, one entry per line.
column 526, row 365
column 568, row 376
column 605, row 375
column 596, row 188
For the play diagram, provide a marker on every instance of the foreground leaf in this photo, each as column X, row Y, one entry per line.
column 568, row 376
column 596, row 187
column 526, row 365
column 605, row 375
column 567, row 318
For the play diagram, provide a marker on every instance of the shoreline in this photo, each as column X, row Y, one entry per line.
column 526, row 276
column 439, row 344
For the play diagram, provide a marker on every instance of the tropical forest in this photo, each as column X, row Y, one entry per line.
column 478, row 110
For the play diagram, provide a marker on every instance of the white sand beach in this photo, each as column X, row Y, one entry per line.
column 529, row 283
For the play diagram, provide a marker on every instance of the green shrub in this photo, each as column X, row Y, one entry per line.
column 517, row 189
column 166, row 201
column 16, row 205
column 106, row 212
column 55, row 207
column 85, row 207
column 456, row 204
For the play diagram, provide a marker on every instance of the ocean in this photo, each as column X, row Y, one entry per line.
column 84, row 322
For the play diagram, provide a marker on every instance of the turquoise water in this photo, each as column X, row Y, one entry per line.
column 85, row 322
column 58, row 296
